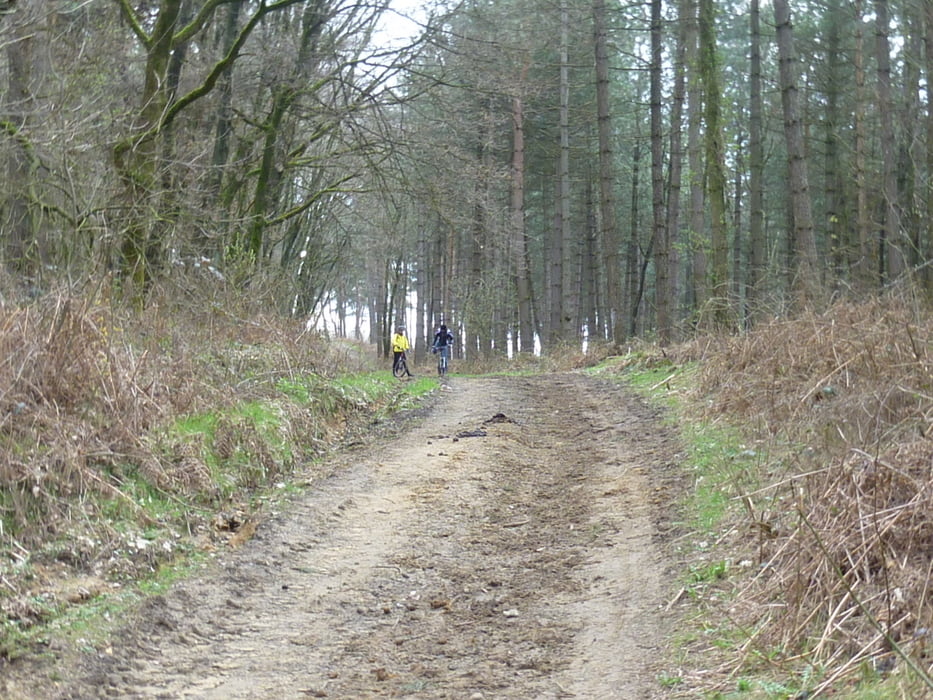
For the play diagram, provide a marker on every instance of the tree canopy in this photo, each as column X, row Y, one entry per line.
column 533, row 174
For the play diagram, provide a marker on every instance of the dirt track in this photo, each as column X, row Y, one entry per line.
column 521, row 559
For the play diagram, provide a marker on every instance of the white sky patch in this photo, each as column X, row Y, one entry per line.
column 400, row 22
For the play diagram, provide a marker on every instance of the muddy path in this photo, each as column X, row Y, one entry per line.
column 508, row 544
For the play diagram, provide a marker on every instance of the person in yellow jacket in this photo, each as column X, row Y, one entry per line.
column 400, row 346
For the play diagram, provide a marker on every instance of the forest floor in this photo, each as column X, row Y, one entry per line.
column 510, row 541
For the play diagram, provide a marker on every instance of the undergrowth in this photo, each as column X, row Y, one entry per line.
column 131, row 445
column 812, row 459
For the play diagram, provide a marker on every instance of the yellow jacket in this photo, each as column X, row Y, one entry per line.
column 399, row 343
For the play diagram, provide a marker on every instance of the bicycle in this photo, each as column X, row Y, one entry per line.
column 443, row 353
column 400, row 368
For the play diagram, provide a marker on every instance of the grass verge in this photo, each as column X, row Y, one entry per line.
column 808, row 552
column 722, row 466
column 200, row 484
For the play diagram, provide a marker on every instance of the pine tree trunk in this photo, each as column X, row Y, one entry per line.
column 675, row 172
column 570, row 300
column 589, row 272
column 609, row 232
column 892, row 248
column 738, row 240
column 926, row 245
column 632, row 300
column 559, row 296
column 907, row 167
column 836, row 212
column 756, row 233
column 419, row 341
column 806, row 280
column 697, row 230
column 659, row 229
column 715, row 162
column 866, row 268
column 480, row 272
column 520, row 268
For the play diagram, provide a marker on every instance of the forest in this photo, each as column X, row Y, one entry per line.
column 215, row 212
column 535, row 174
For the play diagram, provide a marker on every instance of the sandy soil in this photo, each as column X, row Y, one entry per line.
column 509, row 543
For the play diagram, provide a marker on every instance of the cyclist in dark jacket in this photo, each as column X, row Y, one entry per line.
column 442, row 339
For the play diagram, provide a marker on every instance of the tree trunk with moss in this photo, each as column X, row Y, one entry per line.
column 27, row 67
column 715, row 163
column 926, row 241
column 137, row 156
column 756, row 156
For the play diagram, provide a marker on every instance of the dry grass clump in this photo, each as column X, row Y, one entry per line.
column 851, row 375
column 90, row 397
column 72, row 395
column 844, row 523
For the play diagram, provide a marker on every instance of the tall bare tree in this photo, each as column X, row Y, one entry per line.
column 714, row 152
column 836, row 215
column 892, row 247
column 659, row 231
column 675, row 173
column 138, row 156
column 520, row 268
column 560, row 302
column 910, row 124
column 699, row 286
column 757, row 252
column 24, row 104
column 609, row 229
column 223, row 128
column 866, row 266
column 926, row 245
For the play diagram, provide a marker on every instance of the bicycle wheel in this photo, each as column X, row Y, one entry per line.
column 401, row 368
column 442, row 363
